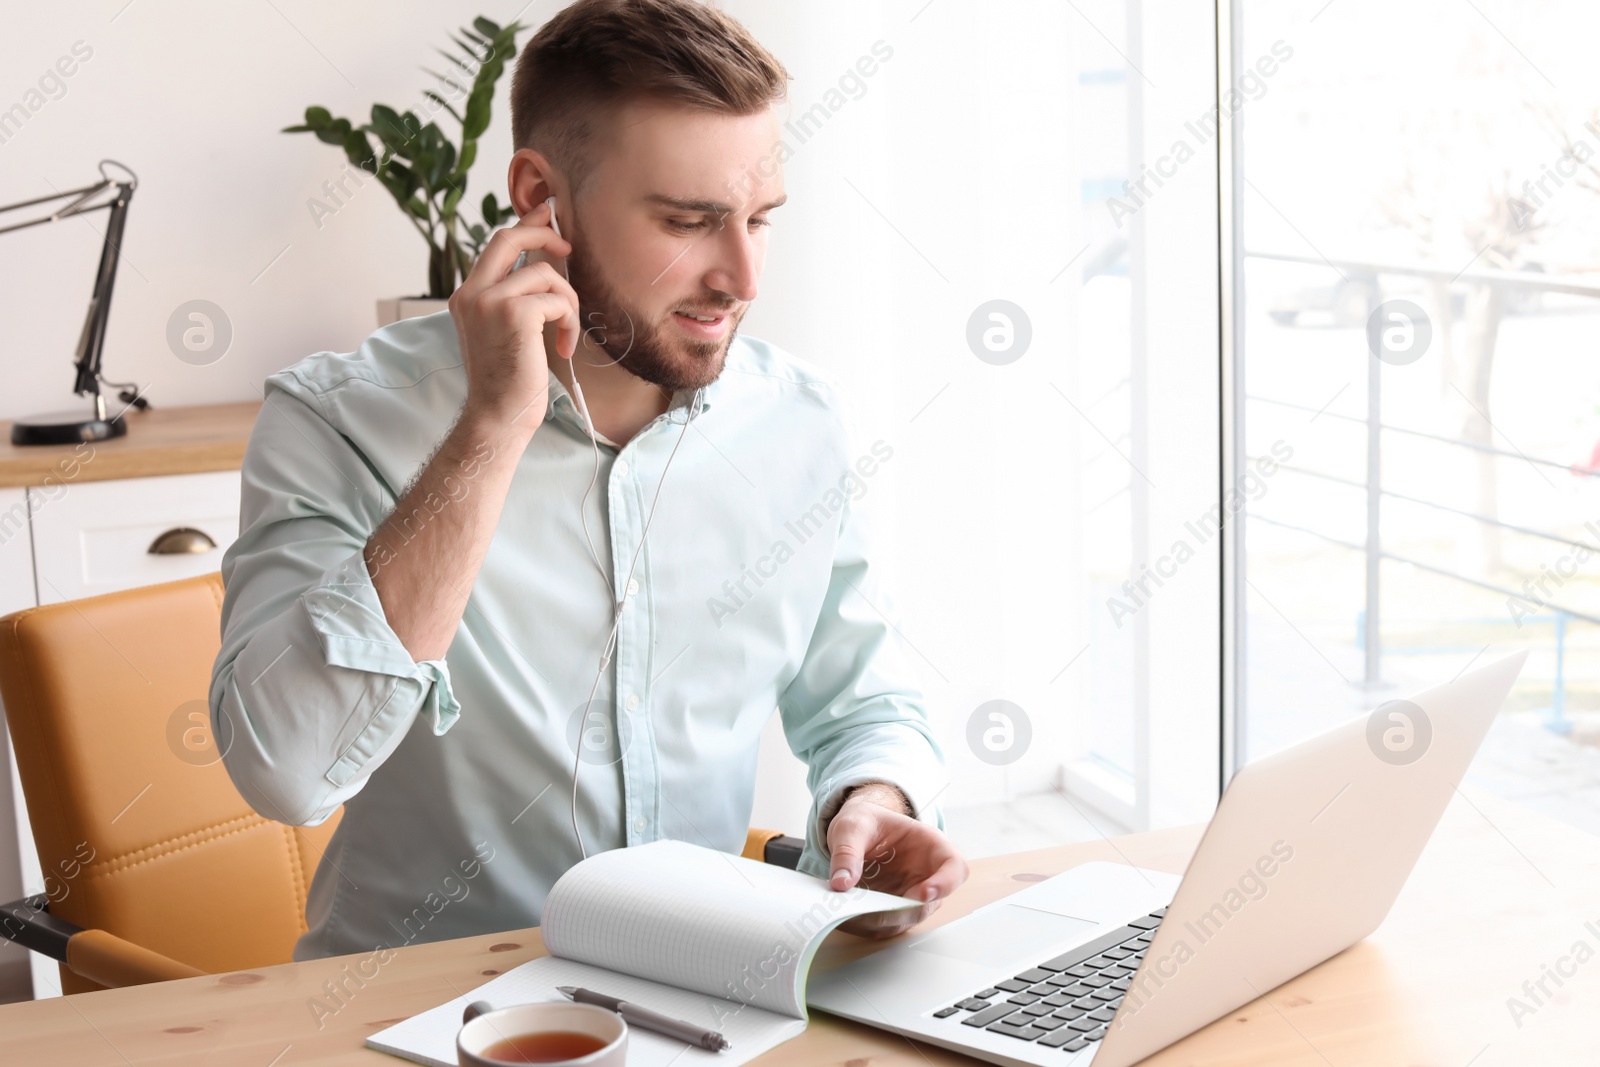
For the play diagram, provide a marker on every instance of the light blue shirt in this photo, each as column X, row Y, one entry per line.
column 756, row 589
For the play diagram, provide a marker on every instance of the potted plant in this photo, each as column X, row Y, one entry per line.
column 424, row 172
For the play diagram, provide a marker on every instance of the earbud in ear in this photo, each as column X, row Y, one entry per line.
column 555, row 225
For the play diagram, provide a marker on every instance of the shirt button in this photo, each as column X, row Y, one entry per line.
column 633, row 586
column 633, row 702
column 621, row 468
column 640, row 823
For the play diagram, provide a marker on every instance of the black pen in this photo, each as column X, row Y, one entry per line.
column 645, row 1019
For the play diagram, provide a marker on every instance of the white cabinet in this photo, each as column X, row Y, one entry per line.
column 68, row 541
column 99, row 537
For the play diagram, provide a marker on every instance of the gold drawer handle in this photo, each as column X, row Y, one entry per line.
column 182, row 540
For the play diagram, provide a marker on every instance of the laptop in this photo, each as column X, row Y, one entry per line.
column 1108, row 963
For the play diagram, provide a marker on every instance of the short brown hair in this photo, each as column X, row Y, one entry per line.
column 594, row 56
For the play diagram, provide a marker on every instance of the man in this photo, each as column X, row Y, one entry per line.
column 502, row 635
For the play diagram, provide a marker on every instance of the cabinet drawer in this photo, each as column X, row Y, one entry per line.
column 96, row 537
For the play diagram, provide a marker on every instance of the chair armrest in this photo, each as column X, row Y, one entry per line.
column 102, row 958
column 755, row 843
column 784, row 851
column 773, row 846
column 112, row 962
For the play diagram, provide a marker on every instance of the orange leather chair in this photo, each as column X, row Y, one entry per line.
column 155, row 867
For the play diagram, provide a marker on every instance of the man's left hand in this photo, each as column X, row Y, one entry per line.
column 873, row 843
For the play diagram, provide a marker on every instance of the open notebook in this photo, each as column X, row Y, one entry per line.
column 701, row 935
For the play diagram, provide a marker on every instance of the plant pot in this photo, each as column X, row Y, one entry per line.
column 407, row 307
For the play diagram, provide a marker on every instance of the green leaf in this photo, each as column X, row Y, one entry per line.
column 478, row 105
column 408, row 179
column 417, row 208
column 491, row 208
column 442, row 102
column 400, row 180
column 485, row 27
column 468, row 71
column 422, row 167
column 397, row 133
column 359, row 151
column 395, row 185
column 443, row 162
column 469, row 154
column 491, row 60
column 451, row 199
column 334, row 132
column 317, row 116
column 505, row 47
column 477, row 52
column 396, row 189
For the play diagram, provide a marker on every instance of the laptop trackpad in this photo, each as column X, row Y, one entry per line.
column 1005, row 932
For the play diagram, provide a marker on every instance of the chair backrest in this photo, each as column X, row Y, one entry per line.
column 139, row 829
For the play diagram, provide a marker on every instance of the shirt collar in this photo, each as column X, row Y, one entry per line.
column 560, row 404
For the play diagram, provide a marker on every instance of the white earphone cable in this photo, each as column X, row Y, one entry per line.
column 611, row 638
column 583, row 513
column 583, row 409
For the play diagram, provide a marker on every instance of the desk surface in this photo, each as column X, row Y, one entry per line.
column 163, row 440
column 1499, row 894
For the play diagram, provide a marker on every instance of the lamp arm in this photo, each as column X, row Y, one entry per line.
column 67, row 212
column 93, row 338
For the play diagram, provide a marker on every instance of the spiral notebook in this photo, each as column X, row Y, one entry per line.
column 701, row 935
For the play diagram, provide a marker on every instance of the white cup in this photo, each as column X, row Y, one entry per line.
column 484, row 1027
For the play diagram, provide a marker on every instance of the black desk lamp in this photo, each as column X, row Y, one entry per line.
column 68, row 427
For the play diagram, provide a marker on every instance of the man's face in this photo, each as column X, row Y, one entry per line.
column 673, row 223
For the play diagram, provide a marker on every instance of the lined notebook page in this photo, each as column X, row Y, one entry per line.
column 431, row 1036
column 701, row 920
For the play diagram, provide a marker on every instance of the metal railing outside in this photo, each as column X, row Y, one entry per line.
column 1369, row 621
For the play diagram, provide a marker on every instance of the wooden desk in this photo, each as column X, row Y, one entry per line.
column 163, row 440
column 1499, row 893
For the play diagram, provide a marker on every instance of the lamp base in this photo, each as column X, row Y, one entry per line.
column 66, row 428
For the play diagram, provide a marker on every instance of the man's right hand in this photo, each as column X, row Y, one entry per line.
column 424, row 558
column 500, row 319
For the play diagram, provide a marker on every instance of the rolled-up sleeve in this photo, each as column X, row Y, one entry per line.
column 312, row 689
column 854, row 712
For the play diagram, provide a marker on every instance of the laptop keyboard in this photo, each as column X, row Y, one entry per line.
column 1067, row 1001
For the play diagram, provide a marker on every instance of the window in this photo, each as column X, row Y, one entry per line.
column 1414, row 200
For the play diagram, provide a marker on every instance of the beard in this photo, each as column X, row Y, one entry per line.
column 652, row 352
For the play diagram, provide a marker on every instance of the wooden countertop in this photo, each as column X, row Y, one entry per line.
column 163, row 440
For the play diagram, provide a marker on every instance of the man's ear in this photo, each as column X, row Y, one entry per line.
column 531, row 179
